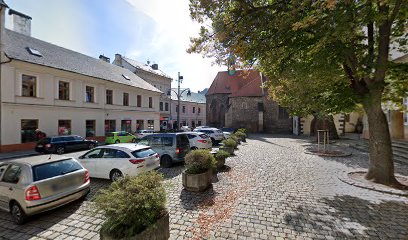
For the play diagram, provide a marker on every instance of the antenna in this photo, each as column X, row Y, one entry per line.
column 49, row 158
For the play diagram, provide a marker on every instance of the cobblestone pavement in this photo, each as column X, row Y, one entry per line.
column 271, row 189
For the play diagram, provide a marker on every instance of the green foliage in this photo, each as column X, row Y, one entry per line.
column 199, row 161
column 396, row 88
column 132, row 204
column 229, row 142
column 240, row 135
column 244, row 130
column 234, row 137
column 221, row 155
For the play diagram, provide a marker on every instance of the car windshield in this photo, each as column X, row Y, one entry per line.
column 143, row 141
column 204, row 136
column 52, row 169
column 143, row 153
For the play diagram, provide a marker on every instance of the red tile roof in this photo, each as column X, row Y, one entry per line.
column 244, row 83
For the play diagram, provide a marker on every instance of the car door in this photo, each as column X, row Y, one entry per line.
column 70, row 143
column 192, row 138
column 111, row 159
column 80, row 143
column 156, row 144
column 3, row 189
column 90, row 159
column 8, row 183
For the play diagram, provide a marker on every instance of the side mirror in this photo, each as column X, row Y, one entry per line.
column 81, row 157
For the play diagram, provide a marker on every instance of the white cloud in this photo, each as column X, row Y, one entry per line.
column 171, row 38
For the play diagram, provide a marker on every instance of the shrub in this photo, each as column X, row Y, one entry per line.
column 240, row 135
column 234, row 137
column 132, row 204
column 229, row 142
column 221, row 154
column 199, row 161
column 244, row 130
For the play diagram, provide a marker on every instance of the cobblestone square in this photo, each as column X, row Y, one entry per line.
column 270, row 189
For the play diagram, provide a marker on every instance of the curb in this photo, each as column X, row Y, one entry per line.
column 346, row 179
column 18, row 156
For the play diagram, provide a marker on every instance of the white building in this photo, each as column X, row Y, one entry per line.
column 60, row 91
column 156, row 77
column 193, row 110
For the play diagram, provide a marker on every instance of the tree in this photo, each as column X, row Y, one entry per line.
column 328, row 47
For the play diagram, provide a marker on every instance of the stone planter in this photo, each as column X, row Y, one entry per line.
column 220, row 163
column 197, row 182
column 229, row 150
column 159, row 231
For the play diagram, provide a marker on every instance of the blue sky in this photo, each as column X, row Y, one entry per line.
column 157, row 30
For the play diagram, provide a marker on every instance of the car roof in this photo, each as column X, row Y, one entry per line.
column 194, row 132
column 124, row 146
column 40, row 159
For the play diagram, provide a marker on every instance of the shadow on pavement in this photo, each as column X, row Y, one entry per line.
column 173, row 171
column 194, row 200
column 351, row 217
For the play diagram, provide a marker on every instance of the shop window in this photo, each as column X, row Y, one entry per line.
column 63, row 90
column 28, row 127
column 110, row 126
column 90, row 128
column 126, row 125
column 150, row 124
column 139, row 124
column 64, row 127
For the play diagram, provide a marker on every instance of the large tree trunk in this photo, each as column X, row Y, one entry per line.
column 381, row 169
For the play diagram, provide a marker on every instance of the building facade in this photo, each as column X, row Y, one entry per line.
column 156, row 77
column 192, row 110
column 59, row 91
column 240, row 101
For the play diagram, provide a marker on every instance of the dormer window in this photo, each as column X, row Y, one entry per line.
column 126, row 77
column 34, row 52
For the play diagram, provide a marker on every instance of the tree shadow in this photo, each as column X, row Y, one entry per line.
column 173, row 171
column 352, row 217
column 194, row 200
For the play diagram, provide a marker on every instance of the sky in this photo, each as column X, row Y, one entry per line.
column 155, row 30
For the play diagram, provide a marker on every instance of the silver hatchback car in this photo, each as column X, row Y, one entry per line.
column 32, row 185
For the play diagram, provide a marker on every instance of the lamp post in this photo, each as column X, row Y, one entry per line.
column 179, row 94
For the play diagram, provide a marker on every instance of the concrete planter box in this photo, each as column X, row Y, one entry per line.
column 196, row 182
column 220, row 163
column 229, row 150
column 158, row 231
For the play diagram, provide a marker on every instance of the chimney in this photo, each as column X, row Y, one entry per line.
column 155, row 66
column 20, row 22
column 118, row 60
column 104, row 58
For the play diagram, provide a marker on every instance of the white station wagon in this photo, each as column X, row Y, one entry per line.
column 115, row 161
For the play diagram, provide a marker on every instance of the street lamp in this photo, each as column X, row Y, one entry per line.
column 179, row 94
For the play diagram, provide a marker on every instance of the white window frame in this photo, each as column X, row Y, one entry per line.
column 95, row 93
column 69, row 81
column 20, row 83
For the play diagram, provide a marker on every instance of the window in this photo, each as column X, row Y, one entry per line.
column 28, row 127
column 125, row 99
column 193, row 125
column 199, row 110
column 12, row 174
column 97, row 153
column 90, row 128
column 3, row 168
column 166, row 106
column 184, row 109
column 161, row 106
column 156, row 141
column 167, row 141
column 150, row 124
column 139, row 101
column 139, row 124
column 126, row 125
column 52, row 169
column 114, row 153
column 34, row 52
column 283, row 114
column 143, row 153
column 109, row 97
column 150, row 102
column 29, row 86
column 193, row 109
column 199, row 123
column 63, row 90
column 64, row 127
column 110, row 126
column 90, row 94
column 177, row 107
column 184, row 123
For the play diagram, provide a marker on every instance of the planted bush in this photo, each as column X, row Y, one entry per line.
column 230, row 143
column 235, row 138
column 199, row 161
column 244, row 130
column 132, row 204
column 221, row 155
column 240, row 135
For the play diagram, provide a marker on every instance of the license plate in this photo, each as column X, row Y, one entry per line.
column 39, row 145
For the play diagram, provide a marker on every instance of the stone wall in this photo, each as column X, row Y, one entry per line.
column 217, row 105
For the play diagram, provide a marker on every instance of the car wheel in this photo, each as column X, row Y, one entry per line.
column 166, row 161
column 133, row 140
column 17, row 213
column 117, row 141
column 116, row 175
column 91, row 145
column 60, row 150
column 194, row 148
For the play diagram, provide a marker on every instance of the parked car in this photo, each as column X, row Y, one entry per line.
column 226, row 134
column 215, row 134
column 185, row 128
column 142, row 133
column 199, row 127
column 199, row 140
column 115, row 161
column 62, row 144
column 119, row 137
column 37, row 184
column 172, row 147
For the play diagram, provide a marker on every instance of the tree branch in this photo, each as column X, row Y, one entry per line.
column 395, row 11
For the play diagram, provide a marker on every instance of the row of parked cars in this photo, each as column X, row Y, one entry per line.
column 37, row 184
